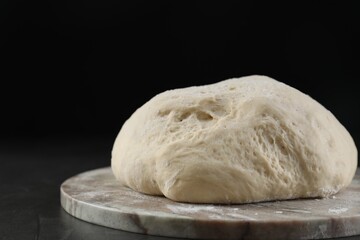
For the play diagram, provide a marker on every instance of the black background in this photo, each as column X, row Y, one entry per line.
column 82, row 67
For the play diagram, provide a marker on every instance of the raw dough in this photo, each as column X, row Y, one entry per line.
column 241, row 140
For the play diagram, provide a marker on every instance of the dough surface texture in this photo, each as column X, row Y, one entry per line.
column 241, row 140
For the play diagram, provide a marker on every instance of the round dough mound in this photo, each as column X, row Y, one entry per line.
column 241, row 140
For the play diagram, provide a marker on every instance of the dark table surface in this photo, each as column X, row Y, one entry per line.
column 31, row 172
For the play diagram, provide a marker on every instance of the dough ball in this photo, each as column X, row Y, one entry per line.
column 240, row 140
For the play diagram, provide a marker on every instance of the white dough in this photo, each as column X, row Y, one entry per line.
column 241, row 140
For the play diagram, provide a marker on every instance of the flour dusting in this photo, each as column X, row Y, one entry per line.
column 189, row 209
column 337, row 210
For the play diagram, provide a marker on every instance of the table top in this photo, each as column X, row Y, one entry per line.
column 31, row 173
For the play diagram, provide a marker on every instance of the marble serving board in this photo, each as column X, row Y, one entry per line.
column 96, row 197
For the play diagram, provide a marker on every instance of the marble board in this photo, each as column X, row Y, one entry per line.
column 96, row 197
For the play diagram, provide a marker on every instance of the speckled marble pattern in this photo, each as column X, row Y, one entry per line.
column 96, row 197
